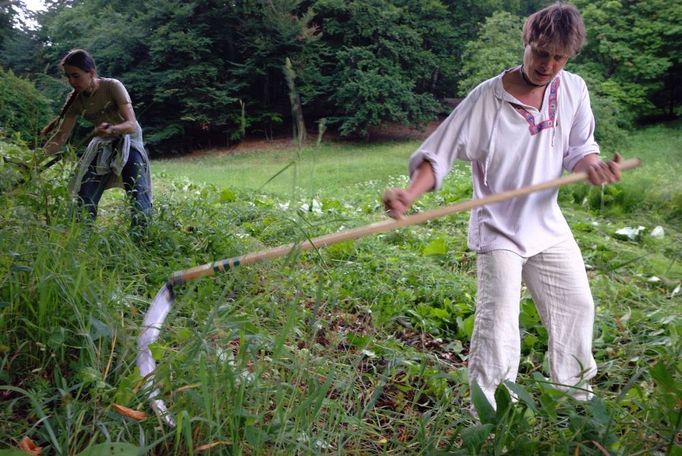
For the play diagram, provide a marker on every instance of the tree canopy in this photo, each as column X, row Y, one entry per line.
column 205, row 73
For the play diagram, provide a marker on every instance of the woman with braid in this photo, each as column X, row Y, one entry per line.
column 116, row 155
column 525, row 126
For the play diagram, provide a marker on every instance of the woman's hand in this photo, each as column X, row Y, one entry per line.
column 105, row 129
column 123, row 128
column 56, row 142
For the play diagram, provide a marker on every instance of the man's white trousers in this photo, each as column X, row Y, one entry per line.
column 557, row 281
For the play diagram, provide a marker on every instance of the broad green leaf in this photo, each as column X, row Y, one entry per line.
column 12, row 452
column 255, row 435
column 113, row 449
column 503, row 402
column 475, row 436
column 358, row 340
column 548, row 405
column 435, row 247
column 529, row 316
column 664, row 378
column 99, row 328
column 522, row 394
column 529, row 341
column 439, row 313
column 598, row 410
column 466, row 327
column 182, row 335
column 227, row 196
column 126, row 387
column 157, row 350
column 485, row 410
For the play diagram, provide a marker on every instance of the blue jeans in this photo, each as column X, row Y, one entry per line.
column 134, row 182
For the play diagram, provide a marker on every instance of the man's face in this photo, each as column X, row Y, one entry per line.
column 542, row 64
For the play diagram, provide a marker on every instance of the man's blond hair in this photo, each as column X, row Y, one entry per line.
column 556, row 26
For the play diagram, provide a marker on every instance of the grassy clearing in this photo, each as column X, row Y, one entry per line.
column 359, row 348
column 326, row 170
column 329, row 169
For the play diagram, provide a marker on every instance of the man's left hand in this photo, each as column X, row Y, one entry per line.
column 600, row 172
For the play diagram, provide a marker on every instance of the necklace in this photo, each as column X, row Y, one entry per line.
column 528, row 81
column 92, row 88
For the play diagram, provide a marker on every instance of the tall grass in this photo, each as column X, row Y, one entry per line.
column 359, row 348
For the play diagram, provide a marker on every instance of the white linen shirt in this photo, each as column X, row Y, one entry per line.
column 487, row 130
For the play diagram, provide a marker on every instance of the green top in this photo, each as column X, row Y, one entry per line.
column 103, row 104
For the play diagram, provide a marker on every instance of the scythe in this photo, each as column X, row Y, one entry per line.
column 160, row 306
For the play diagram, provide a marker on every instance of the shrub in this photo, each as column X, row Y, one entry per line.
column 23, row 110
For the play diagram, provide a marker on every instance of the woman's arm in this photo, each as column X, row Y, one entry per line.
column 126, row 127
column 56, row 142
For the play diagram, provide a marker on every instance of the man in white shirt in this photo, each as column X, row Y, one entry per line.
column 522, row 127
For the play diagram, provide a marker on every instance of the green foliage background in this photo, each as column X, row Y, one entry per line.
column 205, row 73
column 359, row 348
column 23, row 109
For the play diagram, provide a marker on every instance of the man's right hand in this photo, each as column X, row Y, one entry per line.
column 396, row 202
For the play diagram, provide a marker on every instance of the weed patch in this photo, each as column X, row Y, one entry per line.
column 359, row 348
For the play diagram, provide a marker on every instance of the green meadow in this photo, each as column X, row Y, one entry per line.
column 327, row 169
column 359, row 348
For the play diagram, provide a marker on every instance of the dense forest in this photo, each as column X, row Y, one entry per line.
column 206, row 73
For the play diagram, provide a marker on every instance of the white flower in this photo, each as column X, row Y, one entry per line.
column 657, row 232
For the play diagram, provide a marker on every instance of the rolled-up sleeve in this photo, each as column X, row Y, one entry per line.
column 581, row 138
column 451, row 140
